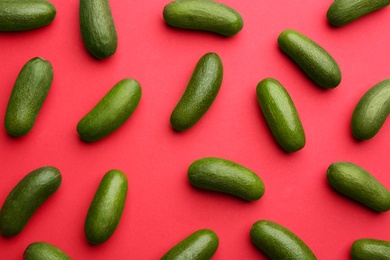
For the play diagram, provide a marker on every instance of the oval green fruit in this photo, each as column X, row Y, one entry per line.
column 26, row 197
column 28, row 95
column 311, row 58
column 200, row 245
column 370, row 249
column 342, row 12
column 97, row 28
column 205, row 15
column 25, row 15
column 371, row 111
column 278, row 242
column 44, row 251
column 111, row 112
column 358, row 184
column 225, row 176
column 281, row 115
column 200, row 92
column 106, row 208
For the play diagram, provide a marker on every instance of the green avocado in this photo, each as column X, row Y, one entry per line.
column 200, row 92
column 26, row 197
column 44, row 251
column 28, row 95
column 358, row 184
column 311, row 58
column 205, row 15
column 25, row 15
column 370, row 249
column 106, row 208
column 225, row 176
column 281, row 115
column 278, row 242
column 371, row 111
column 200, row 245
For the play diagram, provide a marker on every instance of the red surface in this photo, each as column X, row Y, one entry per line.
column 162, row 208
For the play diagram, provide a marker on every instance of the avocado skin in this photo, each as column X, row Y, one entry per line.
column 97, row 28
column 356, row 183
column 200, row 245
column 106, row 208
column 25, row 15
column 205, row 15
column 44, row 251
column 225, row 176
column 314, row 60
column 28, row 95
column 111, row 111
column 281, row 114
column 200, row 92
column 370, row 249
column 278, row 242
column 26, row 197
column 342, row 12
column 371, row 111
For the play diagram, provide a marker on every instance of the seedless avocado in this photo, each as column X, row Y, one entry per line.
column 200, row 92
column 281, row 115
column 358, row 184
column 342, row 12
column 370, row 249
column 205, row 15
column 371, row 111
column 225, row 176
column 97, row 28
column 28, row 95
column 44, row 251
column 201, row 245
column 25, row 15
column 111, row 112
column 314, row 60
column 106, row 208
column 278, row 242
column 26, row 197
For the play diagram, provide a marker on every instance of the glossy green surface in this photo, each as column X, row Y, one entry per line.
column 26, row 197
column 370, row 249
column 106, row 208
column 314, row 60
column 278, row 242
column 281, row 115
column 371, row 111
column 225, row 176
column 200, row 245
column 28, row 95
column 111, row 112
column 44, row 251
column 358, row 184
column 200, row 93
column 205, row 15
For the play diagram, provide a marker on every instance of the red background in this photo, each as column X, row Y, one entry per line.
column 162, row 207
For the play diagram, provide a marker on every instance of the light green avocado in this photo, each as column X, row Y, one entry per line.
column 370, row 249
column 44, row 251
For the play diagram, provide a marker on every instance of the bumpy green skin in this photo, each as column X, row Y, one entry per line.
column 25, row 15
column 342, row 12
column 279, row 242
column 28, row 95
column 200, row 245
column 281, row 115
column 44, row 251
column 371, row 111
column 225, row 176
column 370, row 249
column 200, row 93
column 98, row 28
column 311, row 58
column 26, row 197
column 111, row 112
column 106, row 208
column 205, row 15
column 356, row 183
